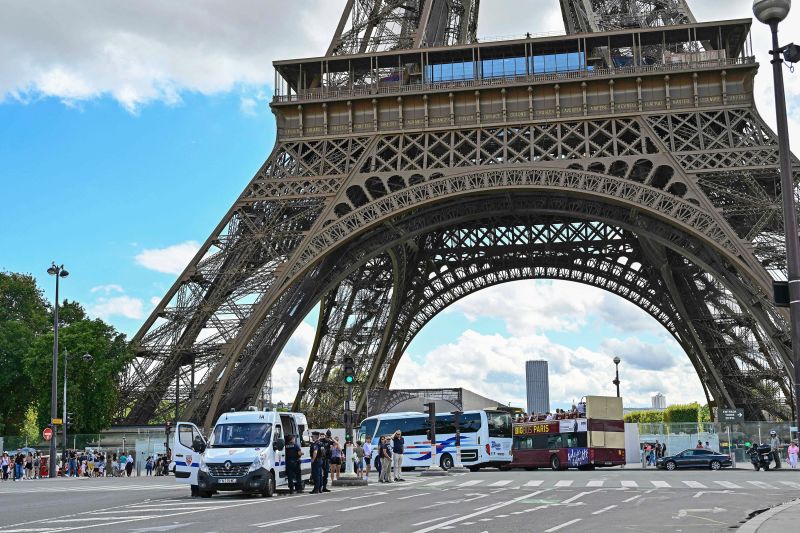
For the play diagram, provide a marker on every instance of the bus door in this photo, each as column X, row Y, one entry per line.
column 187, row 461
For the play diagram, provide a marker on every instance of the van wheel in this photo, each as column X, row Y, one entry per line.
column 555, row 462
column 446, row 462
column 269, row 487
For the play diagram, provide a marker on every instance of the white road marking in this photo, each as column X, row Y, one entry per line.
column 469, row 483
column 694, row 484
column 632, row 498
column 285, row 521
column 478, row 513
column 361, row 507
column 728, row 484
column 661, row 484
column 604, row 509
column 579, row 495
column 434, row 520
column 791, row 484
column 438, row 483
column 534, row 483
column 369, row 495
column 414, row 495
column 500, row 483
column 595, row 483
column 562, row 526
column 564, row 483
column 628, row 483
column 761, row 484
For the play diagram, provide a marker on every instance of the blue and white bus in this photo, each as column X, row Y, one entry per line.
column 485, row 437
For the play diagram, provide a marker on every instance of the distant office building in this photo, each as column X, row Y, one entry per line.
column 538, row 386
column 659, row 401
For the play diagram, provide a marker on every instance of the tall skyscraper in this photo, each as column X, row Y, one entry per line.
column 538, row 386
column 659, row 401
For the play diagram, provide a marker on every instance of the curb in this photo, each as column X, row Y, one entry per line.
column 752, row 525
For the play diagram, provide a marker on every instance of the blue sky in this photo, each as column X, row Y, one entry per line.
column 125, row 136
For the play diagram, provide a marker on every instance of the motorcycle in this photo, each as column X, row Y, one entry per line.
column 760, row 456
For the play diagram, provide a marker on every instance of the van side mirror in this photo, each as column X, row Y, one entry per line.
column 278, row 444
column 198, row 444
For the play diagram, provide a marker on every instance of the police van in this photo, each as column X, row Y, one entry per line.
column 243, row 453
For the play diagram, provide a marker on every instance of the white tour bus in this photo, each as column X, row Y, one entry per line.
column 244, row 452
column 485, row 437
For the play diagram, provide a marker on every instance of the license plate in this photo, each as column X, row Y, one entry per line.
column 228, row 480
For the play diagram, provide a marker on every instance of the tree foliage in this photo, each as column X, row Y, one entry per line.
column 645, row 417
column 678, row 413
column 26, row 357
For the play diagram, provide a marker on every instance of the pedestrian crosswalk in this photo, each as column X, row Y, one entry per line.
column 46, row 486
column 612, row 483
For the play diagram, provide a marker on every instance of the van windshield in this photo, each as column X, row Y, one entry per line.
column 253, row 435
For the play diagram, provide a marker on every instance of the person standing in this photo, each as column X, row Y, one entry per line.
column 19, row 464
column 775, row 446
column 327, row 442
column 293, row 454
column 791, row 454
column 122, row 460
column 367, row 458
column 148, row 465
column 397, row 454
column 4, row 462
column 109, row 465
column 385, row 454
column 317, row 453
column 336, row 459
column 129, row 464
column 358, row 459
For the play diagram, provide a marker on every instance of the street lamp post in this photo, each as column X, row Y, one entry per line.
column 772, row 12
column 616, row 379
column 300, row 369
column 86, row 357
column 59, row 272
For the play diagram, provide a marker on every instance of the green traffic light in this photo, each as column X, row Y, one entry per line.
column 348, row 379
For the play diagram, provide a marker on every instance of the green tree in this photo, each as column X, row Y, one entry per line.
column 23, row 317
column 92, row 386
column 644, row 417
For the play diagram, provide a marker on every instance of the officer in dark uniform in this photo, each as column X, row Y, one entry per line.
column 293, row 454
column 317, row 458
column 327, row 442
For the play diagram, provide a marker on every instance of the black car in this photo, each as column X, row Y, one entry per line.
column 694, row 458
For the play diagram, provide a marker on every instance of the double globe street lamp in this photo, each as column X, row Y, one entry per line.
column 772, row 13
column 59, row 272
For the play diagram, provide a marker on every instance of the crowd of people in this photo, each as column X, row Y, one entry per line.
column 20, row 466
column 652, row 452
column 577, row 411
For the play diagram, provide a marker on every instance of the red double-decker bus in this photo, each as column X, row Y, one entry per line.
column 595, row 437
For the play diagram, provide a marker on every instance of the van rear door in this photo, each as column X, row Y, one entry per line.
column 187, row 461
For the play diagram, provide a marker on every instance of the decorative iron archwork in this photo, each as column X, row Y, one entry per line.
column 397, row 187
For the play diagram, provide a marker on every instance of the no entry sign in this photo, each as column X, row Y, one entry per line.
column 47, row 433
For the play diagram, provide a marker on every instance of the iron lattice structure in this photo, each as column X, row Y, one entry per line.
column 627, row 155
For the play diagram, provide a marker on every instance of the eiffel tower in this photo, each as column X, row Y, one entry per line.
column 415, row 164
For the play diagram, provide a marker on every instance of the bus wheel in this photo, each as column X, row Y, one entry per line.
column 555, row 462
column 446, row 462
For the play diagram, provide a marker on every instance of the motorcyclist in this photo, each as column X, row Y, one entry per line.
column 775, row 446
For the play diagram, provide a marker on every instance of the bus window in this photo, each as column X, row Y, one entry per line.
column 367, row 429
column 499, row 424
column 469, row 422
column 575, row 440
column 446, row 424
column 554, row 441
column 409, row 426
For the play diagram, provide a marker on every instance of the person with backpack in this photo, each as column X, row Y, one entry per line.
column 385, row 454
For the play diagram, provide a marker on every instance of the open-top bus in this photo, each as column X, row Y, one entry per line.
column 594, row 438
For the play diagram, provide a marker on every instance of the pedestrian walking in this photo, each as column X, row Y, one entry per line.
column 4, row 465
column 129, row 464
column 73, row 464
column 367, row 458
column 148, row 465
column 775, row 446
column 385, row 453
column 317, row 454
column 791, row 454
column 397, row 454
column 293, row 452
column 358, row 459
column 29, row 466
column 19, row 464
column 36, row 465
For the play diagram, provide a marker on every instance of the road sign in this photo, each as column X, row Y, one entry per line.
column 349, row 405
column 47, row 433
column 731, row 415
column 57, row 421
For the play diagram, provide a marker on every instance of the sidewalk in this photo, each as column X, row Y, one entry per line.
column 779, row 519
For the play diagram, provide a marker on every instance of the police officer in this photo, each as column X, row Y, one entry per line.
column 327, row 442
column 775, row 446
column 293, row 454
column 317, row 455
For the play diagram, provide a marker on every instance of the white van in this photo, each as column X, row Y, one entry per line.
column 244, row 452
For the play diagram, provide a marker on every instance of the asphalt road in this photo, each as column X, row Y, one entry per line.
column 539, row 501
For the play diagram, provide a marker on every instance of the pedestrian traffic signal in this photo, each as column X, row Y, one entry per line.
column 349, row 370
column 69, row 420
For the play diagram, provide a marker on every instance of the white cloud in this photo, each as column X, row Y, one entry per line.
column 123, row 306
column 154, row 300
column 107, row 289
column 170, row 260
column 139, row 52
column 294, row 355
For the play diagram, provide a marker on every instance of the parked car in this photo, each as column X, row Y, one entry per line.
column 695, row 458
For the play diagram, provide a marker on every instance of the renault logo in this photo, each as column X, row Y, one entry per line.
column 228, row 465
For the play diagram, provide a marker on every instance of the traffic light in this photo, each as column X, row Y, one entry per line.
column 430, row 423
column 69, row 421
column 168, row 427
column 349, row 370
